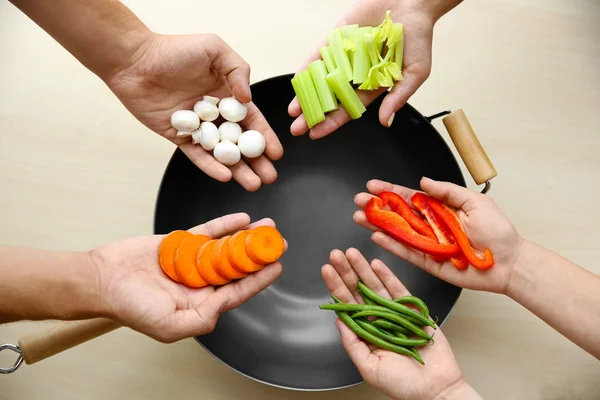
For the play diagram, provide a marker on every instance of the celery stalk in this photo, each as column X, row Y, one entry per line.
column 327, row 57
column 362, row 62
column 318, row 72
column 371, row 50
column 398, row 57
column 345, row 92
column 308, row 98
column 339, row 54
column 348, row 40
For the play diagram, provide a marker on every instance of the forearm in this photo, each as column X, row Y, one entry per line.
column 37, row 285
column 564, row 295
column 102, row 34
column 437, row 8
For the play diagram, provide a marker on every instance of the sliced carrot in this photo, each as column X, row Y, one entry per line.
column 166, row 252
column 237, row 254
column 220, row 261
column 185, row 261
column 205, row 266
column 264, row 245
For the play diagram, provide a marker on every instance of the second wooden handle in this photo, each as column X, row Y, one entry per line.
column 468, row 146
column 62, row 336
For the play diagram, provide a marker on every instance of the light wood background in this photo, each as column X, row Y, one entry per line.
column 76, row 171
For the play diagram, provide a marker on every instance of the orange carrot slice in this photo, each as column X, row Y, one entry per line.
column 185, row 261
column 220, row 261
column 166, row 252
column 264, row 245
column 237, row 254
column 205, row 266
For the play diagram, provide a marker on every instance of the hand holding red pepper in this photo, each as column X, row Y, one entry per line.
column 484, row 225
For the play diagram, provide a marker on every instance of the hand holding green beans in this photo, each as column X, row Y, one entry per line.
column 387, row 353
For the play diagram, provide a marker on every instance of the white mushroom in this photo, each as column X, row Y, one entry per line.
column 211, row 100
column 183, row 133
column 207, row 136
column 252, row 144
column 185, row 120
column 230, row 131
column 206, row 109
column 227, row 153
column 232, row 109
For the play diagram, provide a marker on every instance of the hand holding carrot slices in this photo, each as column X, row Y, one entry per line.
column 197, row 261
column 141, row 291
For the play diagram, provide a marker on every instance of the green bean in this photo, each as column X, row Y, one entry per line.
column 354, row 327
column 394, row 306
column 366, row 299
column 420, row 304
column 394, row 318
column 385, row 324
column 353, row 307
column 400, row 335
column 393, row 339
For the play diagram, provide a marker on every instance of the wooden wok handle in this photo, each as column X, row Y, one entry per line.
column 62, row 336
column 468, row 146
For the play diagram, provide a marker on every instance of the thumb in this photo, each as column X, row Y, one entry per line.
column 449, row 193
column 358, row 350
column 399, row 95
column 231, row 65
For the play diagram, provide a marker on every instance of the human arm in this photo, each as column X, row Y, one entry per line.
column 155, row 75
column 124, row 282
column 419, row 18
column 561, row 293
column 398, row 376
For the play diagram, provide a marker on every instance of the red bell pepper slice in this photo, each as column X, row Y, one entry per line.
column 453, row 223
column 399, row 206
column 398, row 228
column 442, row 232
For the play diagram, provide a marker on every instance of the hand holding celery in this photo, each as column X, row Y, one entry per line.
column 369, row 57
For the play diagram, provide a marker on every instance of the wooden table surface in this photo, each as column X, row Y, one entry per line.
column 76, row 171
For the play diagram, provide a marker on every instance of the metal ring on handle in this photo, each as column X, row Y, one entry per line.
column 487, row 187
column 17, row 363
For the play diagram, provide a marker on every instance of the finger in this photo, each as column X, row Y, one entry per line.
column 206, row 162
column 264, row 168
column 449, row 193
column 238, row 292
column 336, row 285
column 294, row 109
column 222, row 225
column 244, row 175
column 365, row 272
column 391, row 282
column 376, row 186
column 362, row 199
column 255, row 120
column 344, row 268
column 361, row 218
column 203, row 318
column 359, row 352
column 230, row 64
column 413, row 78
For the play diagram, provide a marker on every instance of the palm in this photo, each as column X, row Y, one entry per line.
column 418, row 33
column 484, row 223
column 142, row 297
column 174, row 72
column 396, row 375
